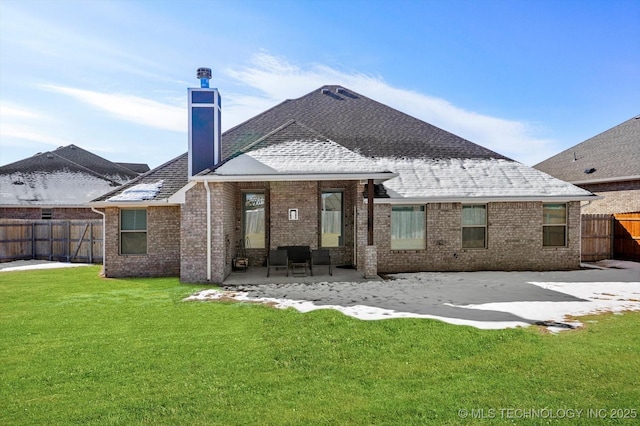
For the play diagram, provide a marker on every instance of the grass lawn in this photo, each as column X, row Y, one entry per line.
column 76, row 348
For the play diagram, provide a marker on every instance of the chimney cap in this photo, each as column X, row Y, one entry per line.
column 204, row 73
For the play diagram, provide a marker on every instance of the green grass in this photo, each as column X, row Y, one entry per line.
column 79, row 349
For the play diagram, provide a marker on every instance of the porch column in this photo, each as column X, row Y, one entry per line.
column 370, row 212
column 370, row 251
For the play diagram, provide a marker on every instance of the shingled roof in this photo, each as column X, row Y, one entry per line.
column 173, row 174
column 66, row 176
column 611, row 155
column 96, row 163
column 357, row 134
column 359, row 124
column 49, row 179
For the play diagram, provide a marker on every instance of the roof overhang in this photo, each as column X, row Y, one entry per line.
column 484, row 200
column 379, row 176
column 44, row 206
column 606, row 180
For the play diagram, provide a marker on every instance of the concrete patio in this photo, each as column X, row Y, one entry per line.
column 258, row 275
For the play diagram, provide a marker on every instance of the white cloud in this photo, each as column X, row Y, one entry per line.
column 12, row 111
column 277, row 80
column 10, row 132
column 135, row 109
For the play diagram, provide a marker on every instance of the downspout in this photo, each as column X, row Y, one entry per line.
column 104, row 239
column 206, row 186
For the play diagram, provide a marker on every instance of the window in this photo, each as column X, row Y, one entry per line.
column 46, row 214
column 474, row 226
column 332, row 218
column 133, row 231
column 253, row 218
column 408, row 228
column 554, row 225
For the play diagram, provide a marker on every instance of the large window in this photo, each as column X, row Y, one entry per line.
column 332, row 218
column 253, row 218
column 474, row 226
column 133, row 231
column 408, row 228
column 554, row 225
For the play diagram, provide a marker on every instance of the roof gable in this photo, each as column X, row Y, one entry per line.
column 613, row 154
column 96, row 163
column 359, row 124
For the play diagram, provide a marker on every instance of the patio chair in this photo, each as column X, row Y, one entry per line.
column 277, row 259
column 321, row 257
column 299, row 258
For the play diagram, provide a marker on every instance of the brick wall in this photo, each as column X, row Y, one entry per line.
column 289, row 195
column 619, row 197
column 163, row 245
column 193, row 253
column 58, row 213
column 514, row 241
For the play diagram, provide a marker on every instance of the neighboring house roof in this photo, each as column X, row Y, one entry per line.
column 136, row 167
column 610, row 156
column 333, row 131
column 96, row 163
column 67, row 176
column 47, row 179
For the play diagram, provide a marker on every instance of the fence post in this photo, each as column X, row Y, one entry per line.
column 50, row 241
column 90, row 242
column 33, row 240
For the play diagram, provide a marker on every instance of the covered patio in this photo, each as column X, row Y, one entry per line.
column 256, row 275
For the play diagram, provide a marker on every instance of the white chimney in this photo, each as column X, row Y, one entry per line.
column 204, row 125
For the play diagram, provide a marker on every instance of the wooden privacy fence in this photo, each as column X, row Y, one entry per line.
column 626, row 237
column 597, row 237
column 60, row 240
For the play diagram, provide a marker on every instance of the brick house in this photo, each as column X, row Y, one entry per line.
column 57, row 184
column 607, row 164
column 383, row 191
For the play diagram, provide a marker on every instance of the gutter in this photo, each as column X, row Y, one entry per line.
column 206, row 186
column 105, row 204
column 605, row 180
column 294, row 177
column 483, row 200
column 104, row 238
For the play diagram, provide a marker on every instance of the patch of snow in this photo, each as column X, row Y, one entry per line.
column 299, row 157
column 139, row 192
column 51, row 188
column 29, row 265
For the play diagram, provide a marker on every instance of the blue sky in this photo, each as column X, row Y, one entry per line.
column 525, row 78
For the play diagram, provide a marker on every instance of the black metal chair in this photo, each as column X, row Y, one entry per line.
column 299, row 258
column 321, row 257
column 277, row 259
